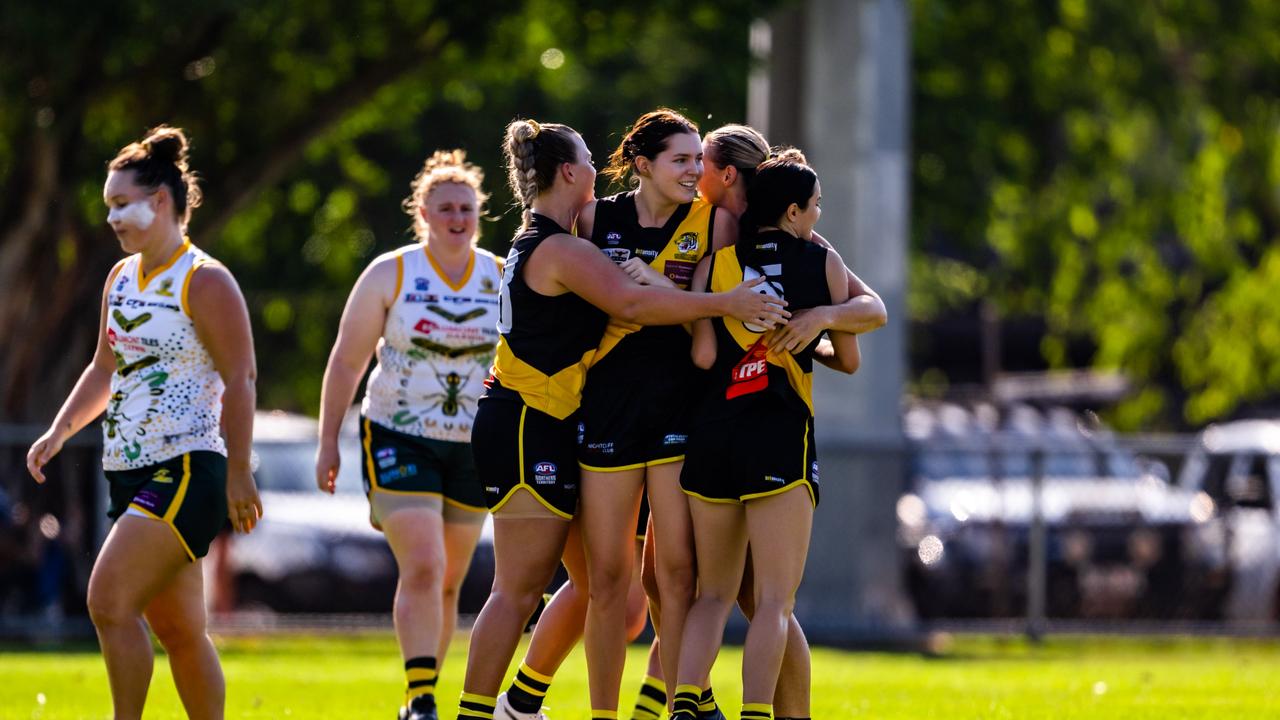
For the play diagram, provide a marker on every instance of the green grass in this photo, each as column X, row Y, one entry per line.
column 351, row 677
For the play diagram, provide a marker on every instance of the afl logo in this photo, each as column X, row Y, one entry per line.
column 687, row 243
column 544, row 473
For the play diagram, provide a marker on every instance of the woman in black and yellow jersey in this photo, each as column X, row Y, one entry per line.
column 634, row 405
column 173, row 368
column 731, row 154
column 750, row 468
column 429, row 310
column 557, row 293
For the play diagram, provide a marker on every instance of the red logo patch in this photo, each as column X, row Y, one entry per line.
column 751, row 374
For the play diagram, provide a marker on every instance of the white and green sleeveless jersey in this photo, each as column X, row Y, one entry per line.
column 437, row 346
column 166, row 396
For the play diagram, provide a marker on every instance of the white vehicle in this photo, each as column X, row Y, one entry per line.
column 315, row 552
column 1238, row 465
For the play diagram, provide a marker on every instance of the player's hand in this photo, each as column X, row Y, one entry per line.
column 749, row 305
column 644, row 273
column 327, row 463
column 244, row 507
column 42, row 451
column 804, row 326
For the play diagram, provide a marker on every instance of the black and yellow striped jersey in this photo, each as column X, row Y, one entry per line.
column 673, row 250
column 546, row 342
column 746, row 375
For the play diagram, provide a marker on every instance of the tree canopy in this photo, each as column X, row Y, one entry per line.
column 308, row 122
column 1110, row 167
column 1115, row 168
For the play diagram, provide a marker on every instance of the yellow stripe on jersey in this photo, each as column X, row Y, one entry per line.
column 688, row 244
column 466, row 274
column 726, row 275
column 557, row 395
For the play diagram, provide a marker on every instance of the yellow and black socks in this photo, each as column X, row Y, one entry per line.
column 420, row 678
column 471, row 705
column 757, row 711
column 706, row 702
column 685, row 704
column 651, row 704
column 528, row 689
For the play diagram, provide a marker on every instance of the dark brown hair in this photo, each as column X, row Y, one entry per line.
column 161, row 159
column 780, row 181
column 646, row 138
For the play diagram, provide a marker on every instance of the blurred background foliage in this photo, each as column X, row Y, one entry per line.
column 1108, row 169
column 1112, row 169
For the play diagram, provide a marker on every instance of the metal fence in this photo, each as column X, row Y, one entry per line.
column 997, row 531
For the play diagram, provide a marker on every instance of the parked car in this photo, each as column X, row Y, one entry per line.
column 1121, row 541
column 1238, row 465
column 315, row 552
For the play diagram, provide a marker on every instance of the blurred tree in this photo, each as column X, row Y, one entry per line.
column 308, row 121
column 1113, row 167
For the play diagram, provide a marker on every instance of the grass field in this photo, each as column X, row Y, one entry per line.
column 353, row 677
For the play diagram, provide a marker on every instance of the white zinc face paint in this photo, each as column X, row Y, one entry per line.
column 137, row 213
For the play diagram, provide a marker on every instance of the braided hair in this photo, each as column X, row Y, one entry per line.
column 534, row 152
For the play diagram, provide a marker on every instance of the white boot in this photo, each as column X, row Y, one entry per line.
column 504, row 711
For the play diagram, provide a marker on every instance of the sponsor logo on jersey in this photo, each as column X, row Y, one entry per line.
column 688, row 243
column 679, row 272
column 767, row 246
column 618, row 255
column 544, row 473
column 386, row 457
column 398, row 473
column 613, row 238
column 649, row 254
column 492, row 489
column 162, row 476
column 147, row 499
column 120, row 283
column 813, row 471
column 774, row 479
column 414, row 297
column 425, row 326
column 582, row 432
column 751, row 374
column 421, row 284
column 675, row 439
column 604, row 448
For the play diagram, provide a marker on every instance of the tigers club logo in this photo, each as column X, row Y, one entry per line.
column 688, row 242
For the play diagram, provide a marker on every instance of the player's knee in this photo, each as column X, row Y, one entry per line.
column 108, row 609
column 421, row 575
column 774, row 604
column 176, row 633
column 678, row 578
column 609, row 582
